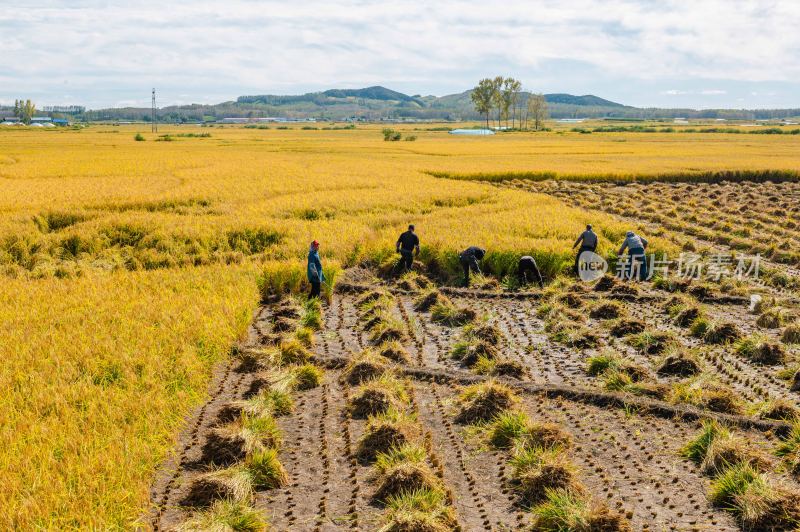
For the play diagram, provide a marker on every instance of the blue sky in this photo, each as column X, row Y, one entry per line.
column 700, row 53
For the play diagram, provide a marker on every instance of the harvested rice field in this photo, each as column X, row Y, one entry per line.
column 488, row 406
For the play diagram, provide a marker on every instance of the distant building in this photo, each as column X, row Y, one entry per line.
column 36, row 121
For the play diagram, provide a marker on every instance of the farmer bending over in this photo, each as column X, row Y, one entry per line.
column 587, row 241
column 528, row 271
column 469, row 261
column 315, row 275
column 408, row 247
column 635, row 245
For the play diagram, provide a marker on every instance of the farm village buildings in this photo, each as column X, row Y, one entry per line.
column 36, row 121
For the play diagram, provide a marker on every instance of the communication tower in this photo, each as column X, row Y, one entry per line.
column 153, row 123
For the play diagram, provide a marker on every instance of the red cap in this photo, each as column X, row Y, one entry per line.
column 314, row 244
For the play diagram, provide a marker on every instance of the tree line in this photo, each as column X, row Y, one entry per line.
column 502, row 98
column 24, row 110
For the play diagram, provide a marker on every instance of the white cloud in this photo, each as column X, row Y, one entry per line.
column 712, row 92
column 201, row 50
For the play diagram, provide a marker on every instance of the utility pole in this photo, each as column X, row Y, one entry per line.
column 153, row 123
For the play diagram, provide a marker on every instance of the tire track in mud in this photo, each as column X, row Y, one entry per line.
column 443, row 343
column 348, row 328
column 345, row 506
column 427, row 352
column 319, row 453
column 230, row 384
column 322, row 505
column 338, row 309
column 499, row 315
column 632, row 462
column 548, row 361
column 351, row 460
column 281, row 503
column 308, row 460
column 478, row 496
column 324, row 489
column 418, row 340
column 192, row 442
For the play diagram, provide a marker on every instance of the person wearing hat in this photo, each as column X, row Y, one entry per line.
column 587, row 241
column 408, row 247
column 314, row 271
column 635, row 245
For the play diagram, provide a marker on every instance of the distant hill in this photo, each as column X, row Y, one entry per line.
column 370, row 93
column 330, row 97
column 568, row 99
column 367, row 101
column 587, row 99
column 376, row 103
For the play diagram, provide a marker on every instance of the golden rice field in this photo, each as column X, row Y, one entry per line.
column 129, row 268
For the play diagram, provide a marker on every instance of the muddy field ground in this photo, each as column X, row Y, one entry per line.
column 626, row 447
column 622, row 376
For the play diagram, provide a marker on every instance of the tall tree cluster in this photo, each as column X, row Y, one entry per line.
column 24, row 110
column 501, row 99
column 536, row 111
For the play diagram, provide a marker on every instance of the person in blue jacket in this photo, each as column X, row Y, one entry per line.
column 315, row 275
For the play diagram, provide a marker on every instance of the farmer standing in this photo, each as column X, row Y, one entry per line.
column 587, row 241
column 635, row 245
column 408, row 248
column 315, row 275
column 469, row 261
